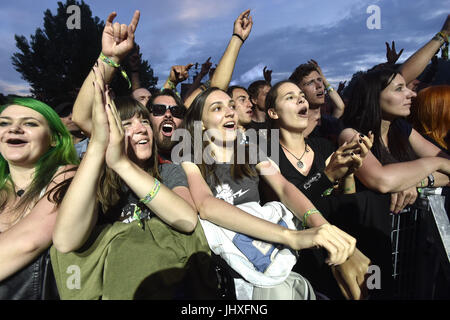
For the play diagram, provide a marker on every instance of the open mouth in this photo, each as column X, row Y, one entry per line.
column 230, row 125
column 320, row 94
column 303, row 112
column 143, row 141
column 16, row 142
column 167, row 128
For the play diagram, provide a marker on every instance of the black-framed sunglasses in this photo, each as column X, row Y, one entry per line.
column 160, row 109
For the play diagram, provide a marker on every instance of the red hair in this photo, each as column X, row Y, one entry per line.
column 430, row 113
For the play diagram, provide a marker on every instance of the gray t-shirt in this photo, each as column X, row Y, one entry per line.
column 172, row 175
column 233, row 191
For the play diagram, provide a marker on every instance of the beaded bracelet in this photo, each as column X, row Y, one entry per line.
column 307, row 214
column 151, row 195
column 110, row 62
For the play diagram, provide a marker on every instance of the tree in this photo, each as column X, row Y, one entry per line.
column 57, row 59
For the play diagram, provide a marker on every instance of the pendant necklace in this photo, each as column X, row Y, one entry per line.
column 300, row 164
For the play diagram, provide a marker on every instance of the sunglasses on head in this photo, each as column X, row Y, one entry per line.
column 160, row 109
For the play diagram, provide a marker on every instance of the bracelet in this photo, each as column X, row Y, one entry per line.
column 329, row 88
column 430, row 180
column 173, row 87
column 307, row 214
column 152, row 194
column 171, row 84
column 113, row 64
column 235, row 34
column 443, row 36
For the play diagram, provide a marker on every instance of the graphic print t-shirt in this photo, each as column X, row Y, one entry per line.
column 234, row 192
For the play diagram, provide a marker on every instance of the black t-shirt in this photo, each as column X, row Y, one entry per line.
column 257, row 125
column 315, row 182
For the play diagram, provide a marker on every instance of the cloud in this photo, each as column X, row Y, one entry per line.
column 14, row 88
column 255, row 73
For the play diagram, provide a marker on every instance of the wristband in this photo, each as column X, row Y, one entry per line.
column 235, row 34
column 113, row 64
column 152, row 194
column 173, row 87
column 307, row 214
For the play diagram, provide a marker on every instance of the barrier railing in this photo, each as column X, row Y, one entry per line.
column 420, row 238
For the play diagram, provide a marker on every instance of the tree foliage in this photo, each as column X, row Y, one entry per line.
column 57, row 59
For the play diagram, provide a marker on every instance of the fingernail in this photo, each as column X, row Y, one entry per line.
column 360, row 141
column 352, row 154
column 361, row 135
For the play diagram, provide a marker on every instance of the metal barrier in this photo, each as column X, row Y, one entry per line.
column 420, row 238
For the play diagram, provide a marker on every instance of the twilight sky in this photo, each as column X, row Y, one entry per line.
column 285, row 33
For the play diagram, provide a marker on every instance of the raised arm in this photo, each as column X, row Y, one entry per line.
column 27, row 239
column 206, row 66
column 117, row 42
column 177, row 75
column 339, row 105
column 224, row 71
column 165, row 203
column 415, row 64
column 78, row 211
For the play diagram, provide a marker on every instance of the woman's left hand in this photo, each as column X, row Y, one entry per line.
column 115, row 151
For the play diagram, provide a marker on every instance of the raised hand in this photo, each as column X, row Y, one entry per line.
column 316, row 65
column 341, row 87
column 100, row 126
column 118, row 39
column 179, row 73
column 206, row 66
column 267, row 74
column 115, row 151
column 243, row 25
column 391, row 54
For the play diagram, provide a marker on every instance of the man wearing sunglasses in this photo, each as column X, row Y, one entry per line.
column 166, row 115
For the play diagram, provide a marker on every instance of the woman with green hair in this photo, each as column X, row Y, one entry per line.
column 37, row 162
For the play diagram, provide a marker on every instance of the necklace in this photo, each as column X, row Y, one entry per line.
column 300, row 164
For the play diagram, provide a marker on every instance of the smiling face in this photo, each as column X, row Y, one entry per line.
column 243, row 106
column 139, row 138
column 219, row 116
column 395, row 99
column 312, row 86
column 165, row 125
column 24, row 135
column 291, row 108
